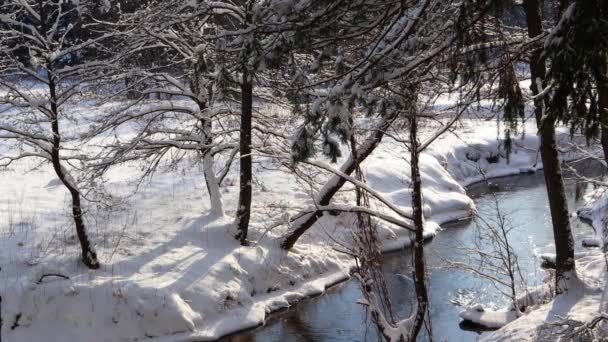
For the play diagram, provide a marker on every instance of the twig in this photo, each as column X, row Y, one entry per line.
column 51, row 275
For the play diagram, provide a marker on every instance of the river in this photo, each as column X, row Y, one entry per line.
column 335, row 316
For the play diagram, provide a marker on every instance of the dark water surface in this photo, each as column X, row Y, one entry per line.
column 335, row 316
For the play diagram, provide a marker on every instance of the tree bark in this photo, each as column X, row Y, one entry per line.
column 89, row 256
column 419, row 262
column 602, row 94
column 336, row 182
column 204, row 91
column 244, row 206
column 562, row 233
column 211, row 180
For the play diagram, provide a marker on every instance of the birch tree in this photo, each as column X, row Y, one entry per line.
column 214, row 55
column 177, row 96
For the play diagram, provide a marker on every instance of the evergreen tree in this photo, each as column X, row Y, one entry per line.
column 577, row 77
column 546, row 121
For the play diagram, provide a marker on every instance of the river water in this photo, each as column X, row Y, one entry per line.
column 335, row 316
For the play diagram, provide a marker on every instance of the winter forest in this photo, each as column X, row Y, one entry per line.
column 303, row 170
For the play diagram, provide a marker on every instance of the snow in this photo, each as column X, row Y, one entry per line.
column 486, row 317
column 581, row 303
column 172, row 271
column 594, row 210
column 132, row 310
column 584, row 301
column 592, row 242
column 498, row 318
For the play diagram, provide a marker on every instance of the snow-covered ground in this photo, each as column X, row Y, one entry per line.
column 172, row 272
column 582, row 303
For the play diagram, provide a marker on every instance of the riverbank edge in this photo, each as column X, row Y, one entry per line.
column 340, row 277
column 265, row 304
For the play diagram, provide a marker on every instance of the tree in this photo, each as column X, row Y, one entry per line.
column 355, row 80
column 402, row 45
column 492, row 256
column 546, row 121
column 367, row 253
column 301, row 223
column 39, row 90
column 422, row 297
column 488, row 53
column 247, row 69
column 577, row 77
column 188, row 67
column 213, row 54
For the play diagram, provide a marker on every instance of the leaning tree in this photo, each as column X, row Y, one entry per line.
column 398, row 71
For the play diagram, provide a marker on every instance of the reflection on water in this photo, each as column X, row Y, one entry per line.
column 335, row 316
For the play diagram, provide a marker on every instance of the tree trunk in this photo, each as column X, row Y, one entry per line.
column 204, row 91
column 419, row 263
column 244, row 207
column 89, row 257
column 213, row 186
column 336, row 182
column 564, row 243
column 602, row 94
column 211, row 180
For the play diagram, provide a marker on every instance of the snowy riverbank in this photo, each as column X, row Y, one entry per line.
column 581, row 304
column 170, row 273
